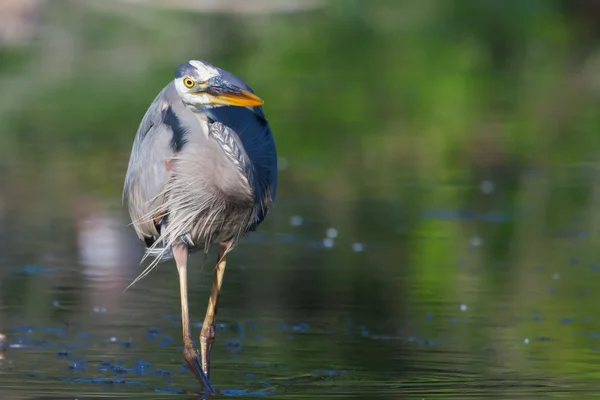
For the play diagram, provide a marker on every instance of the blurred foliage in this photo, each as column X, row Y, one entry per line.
column 383, row 109
column 363, row 83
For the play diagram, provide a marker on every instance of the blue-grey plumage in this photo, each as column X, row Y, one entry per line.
column 201, row 171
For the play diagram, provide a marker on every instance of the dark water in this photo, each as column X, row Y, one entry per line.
column 387, row 310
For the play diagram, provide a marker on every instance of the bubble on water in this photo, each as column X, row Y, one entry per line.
column 475, row 241
column 233, row 345
column 486, row 187
column 296, row 220
column 119, row 369
column 152, row 333
column 556, row 276
column 526, row 341
column 165, row 341
column 75, row 366
column 463, row 307
column 63, row 353
column 332, row 233
column 328, row 242
column 358, row 247
column 301, row 327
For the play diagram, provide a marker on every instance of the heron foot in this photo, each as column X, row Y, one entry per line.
column 192, row 359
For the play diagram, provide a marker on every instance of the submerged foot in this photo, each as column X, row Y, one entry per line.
column 192, row 359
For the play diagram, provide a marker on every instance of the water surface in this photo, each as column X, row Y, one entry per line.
column 309, row 310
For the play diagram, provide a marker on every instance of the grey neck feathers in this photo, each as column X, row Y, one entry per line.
column 229, row 143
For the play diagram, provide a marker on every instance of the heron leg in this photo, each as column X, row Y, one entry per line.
column 207, row 335
column 190, row 354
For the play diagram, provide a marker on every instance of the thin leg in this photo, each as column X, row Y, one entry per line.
column 190, row 354
column 207, row 335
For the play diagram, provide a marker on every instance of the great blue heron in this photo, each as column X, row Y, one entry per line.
column 202, row 170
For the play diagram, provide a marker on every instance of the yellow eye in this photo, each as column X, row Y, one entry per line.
column 188, row 83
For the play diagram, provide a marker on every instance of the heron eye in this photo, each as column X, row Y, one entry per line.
column 188, row 82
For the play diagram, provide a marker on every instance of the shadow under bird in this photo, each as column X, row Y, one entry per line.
column 202, row 170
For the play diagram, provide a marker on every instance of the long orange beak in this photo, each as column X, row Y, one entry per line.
column 235, row 97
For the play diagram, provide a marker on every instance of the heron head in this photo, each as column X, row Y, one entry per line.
column 201, row 85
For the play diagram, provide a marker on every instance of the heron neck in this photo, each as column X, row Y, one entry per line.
column 202, row 111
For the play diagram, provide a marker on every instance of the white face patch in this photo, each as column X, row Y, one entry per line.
column 204, row 71
column 200, row 73
column 193, row 100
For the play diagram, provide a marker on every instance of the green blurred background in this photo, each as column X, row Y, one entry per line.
column 452, row 144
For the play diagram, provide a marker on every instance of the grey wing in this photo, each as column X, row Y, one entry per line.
column 146, row 174
column 252, row 131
